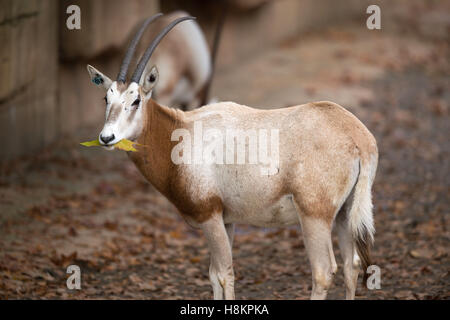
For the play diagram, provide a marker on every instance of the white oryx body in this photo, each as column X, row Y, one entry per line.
column 321, row 177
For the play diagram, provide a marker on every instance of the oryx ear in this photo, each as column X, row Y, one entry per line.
column 98, row 78
column 150, row 80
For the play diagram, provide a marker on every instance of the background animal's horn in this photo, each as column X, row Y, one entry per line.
column 132, row 47
column 148, row 53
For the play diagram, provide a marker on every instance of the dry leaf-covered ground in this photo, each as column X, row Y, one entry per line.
column 89, row 207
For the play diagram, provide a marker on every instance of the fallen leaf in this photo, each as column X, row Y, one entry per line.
column 135, row 278
column 195, row 259
column 421, row 253
column 403, row 294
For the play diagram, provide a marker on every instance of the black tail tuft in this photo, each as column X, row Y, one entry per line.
column 363, row 246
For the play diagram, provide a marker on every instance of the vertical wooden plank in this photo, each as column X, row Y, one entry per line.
column 28, row 75
column 47, row 71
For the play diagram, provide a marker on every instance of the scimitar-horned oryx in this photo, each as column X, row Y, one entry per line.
column 319, row 174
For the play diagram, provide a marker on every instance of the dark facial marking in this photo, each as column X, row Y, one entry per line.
column 132, row 115
column 98, row 80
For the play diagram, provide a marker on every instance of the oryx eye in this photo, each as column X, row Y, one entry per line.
column 136, row 102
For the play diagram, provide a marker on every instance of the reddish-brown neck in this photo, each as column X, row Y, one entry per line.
column 154, row 145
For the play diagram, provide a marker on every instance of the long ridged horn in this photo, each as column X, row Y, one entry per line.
column 132, row 48
column 148, row 53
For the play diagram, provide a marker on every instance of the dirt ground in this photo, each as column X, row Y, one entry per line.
column 90, row 207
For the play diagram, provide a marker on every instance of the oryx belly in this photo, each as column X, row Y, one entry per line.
column 251, row 198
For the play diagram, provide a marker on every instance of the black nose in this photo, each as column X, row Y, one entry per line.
column 107, row 139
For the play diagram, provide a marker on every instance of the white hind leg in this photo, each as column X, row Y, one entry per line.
column 317, row 237
column 349, row 255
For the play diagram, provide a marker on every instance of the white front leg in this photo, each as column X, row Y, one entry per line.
column 221, row 271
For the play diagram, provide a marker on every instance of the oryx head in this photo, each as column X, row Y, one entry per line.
column 125, row 101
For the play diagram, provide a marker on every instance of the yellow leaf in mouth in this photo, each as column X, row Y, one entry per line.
column 124, row 144
column 91, row 143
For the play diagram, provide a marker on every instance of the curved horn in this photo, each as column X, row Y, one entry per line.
column 148, row 53
column 132, row 47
